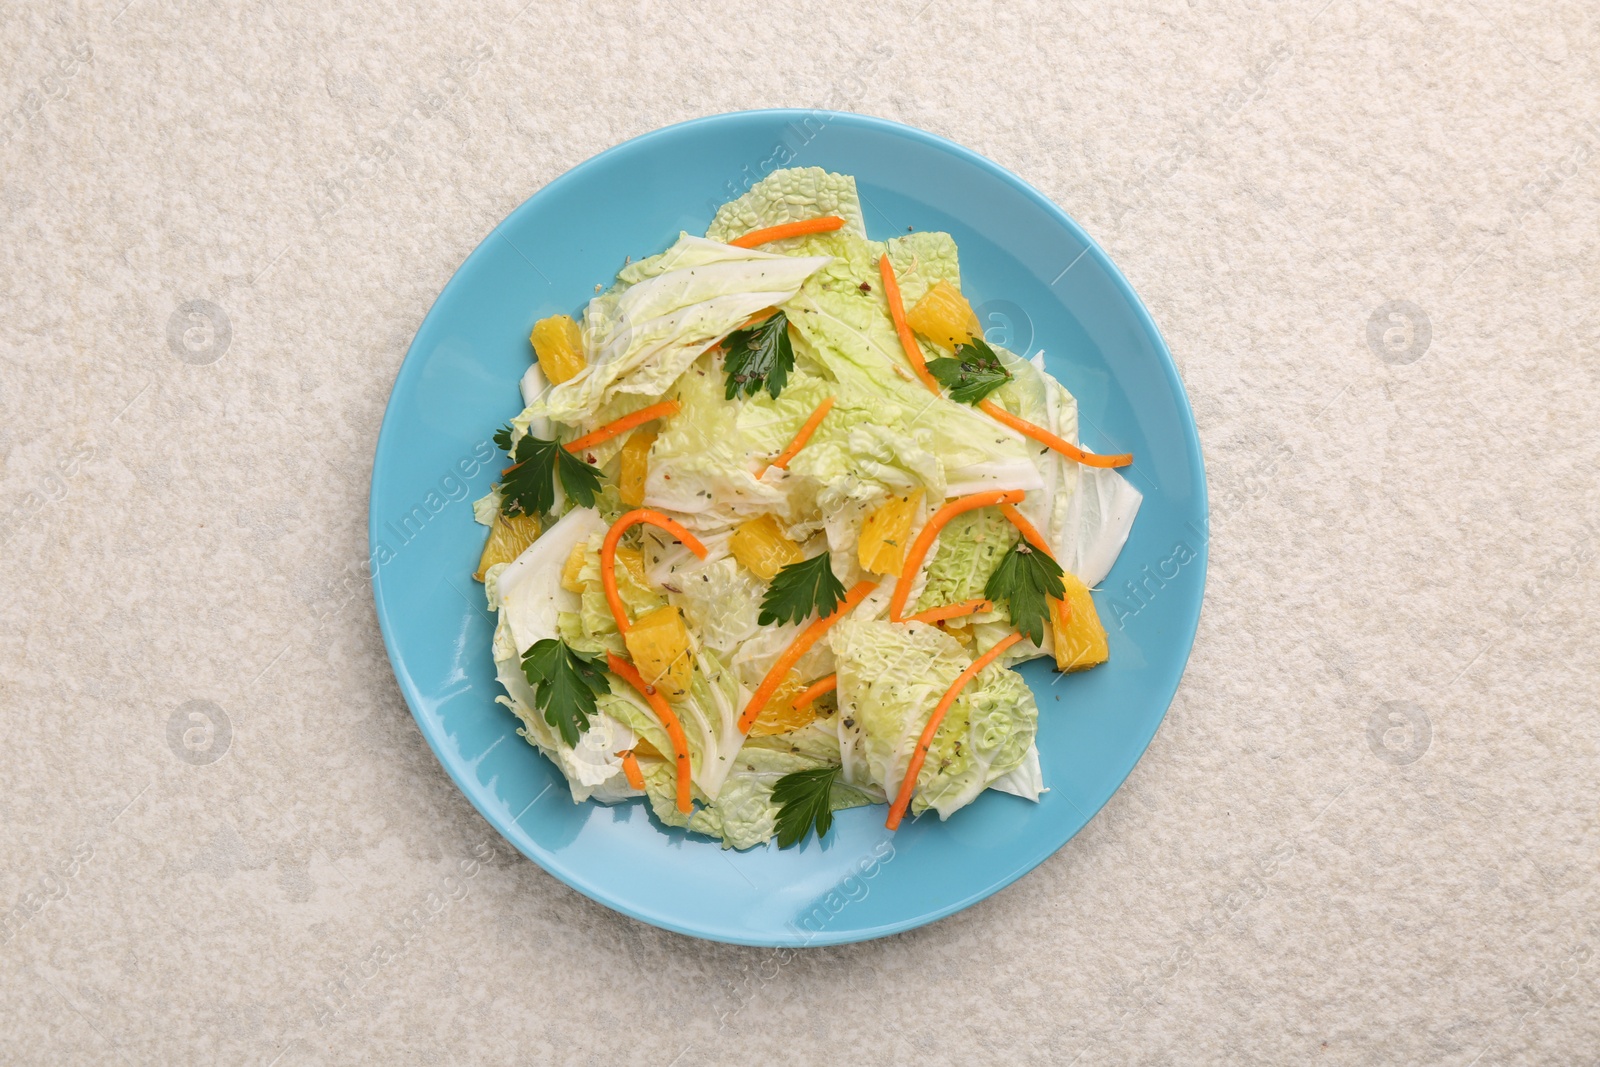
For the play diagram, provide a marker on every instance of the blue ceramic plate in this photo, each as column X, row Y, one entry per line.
column 1039, row 282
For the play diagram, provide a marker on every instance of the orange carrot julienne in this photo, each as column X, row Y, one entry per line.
column 919, row 547
column 623, row 425
column 897, row 312
column 918, row 754
column 824, row 224
column 974, row 606
column 754, row 320
column 814, row 690
column 1027, row 529
column 1045, row 437
column 658, row 703
column 630, row 770
column 608, row 555
column 808, row 428
column 791, row 655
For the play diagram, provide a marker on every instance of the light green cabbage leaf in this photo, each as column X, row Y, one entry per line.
column 985, row 735
column 486, row 507
column 890, row 677
column 969, row 549
column 847, row 331
column 743, row 814
column 639, row 340
column 1026, row 780
column 788, row 196
column 719, row 599
column 702, row 464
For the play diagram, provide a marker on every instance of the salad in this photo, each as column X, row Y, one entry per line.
column 776, row 522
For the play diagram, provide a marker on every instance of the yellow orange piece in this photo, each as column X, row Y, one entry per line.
column 509, row 535
column 943, row 316
column 763, row 547
column 780, row 715
column 1080, row 639
column 559, row 346
column 631, row 559
column 573, row 567
column 658, row 644
column 635, row 467
column 885, row 534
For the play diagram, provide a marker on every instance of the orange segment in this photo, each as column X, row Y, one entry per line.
column 1080, row 639
column 658, row 644
column 885, row 534
column 559, row 346
column 763, row 548
column 943, row 316
column 635, row 467
column 574, row 567
column 509, row 535
column 780, row 715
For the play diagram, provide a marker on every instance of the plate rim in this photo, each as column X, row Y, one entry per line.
column 389, row 425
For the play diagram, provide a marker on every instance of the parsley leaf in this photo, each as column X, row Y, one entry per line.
column 528, row 487
column 798, row 589
column 502, row 438
column 565, row 684
column 761, row 355
column 802, row 799
column 1025, row 580
column 973, row 374
column 579, row 480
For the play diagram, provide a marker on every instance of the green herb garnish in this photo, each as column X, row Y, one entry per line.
column 799, row 589
column 528, row 486
column 565, row 684
column 759, row 356
column 973, row 374
column 803, row 802
column 1026, row 580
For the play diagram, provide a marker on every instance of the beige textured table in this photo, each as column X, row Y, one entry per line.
column 1367, row 832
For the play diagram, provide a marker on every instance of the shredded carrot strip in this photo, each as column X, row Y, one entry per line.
column 1027, row 529
column 924, row 541
column 800, row 439
column 814, row 690
column 953, row 611
column 918, row 754
column 623, row 425
column 658, row 703
column 897, row 312
column 824, row 224
column 1045, row 437
column 754, row 320
column 630, row 770
column 608, row 555
column 791, row 655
